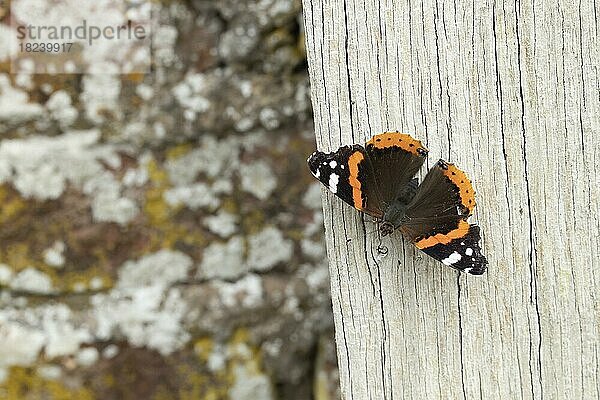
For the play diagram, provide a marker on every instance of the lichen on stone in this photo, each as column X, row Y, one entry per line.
column 24, row 332
column 33, row 281
column 61, row 109
column 212, row 157
column 6, row 274
column 87, row 356
column 258, row 179
column 197, row 195
column 223, row 260
column 246, row 292
column 143, row 306
column 268, row 248
column 249, row 381
column 99, row 96
column 162, row 268
column 54, row 255
column 15, row 107
column 222, row 223
column 142, row 211
column 41, row 167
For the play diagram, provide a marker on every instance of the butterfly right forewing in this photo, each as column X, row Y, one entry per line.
column 396, row 158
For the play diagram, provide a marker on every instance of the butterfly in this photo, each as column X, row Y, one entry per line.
column 378, row 179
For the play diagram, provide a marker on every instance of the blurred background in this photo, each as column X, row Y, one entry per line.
column 160, row 235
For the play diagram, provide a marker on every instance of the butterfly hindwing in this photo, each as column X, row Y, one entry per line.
column 462, row 253
column 436, row 219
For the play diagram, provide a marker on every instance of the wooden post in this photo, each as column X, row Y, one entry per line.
column 509, row 91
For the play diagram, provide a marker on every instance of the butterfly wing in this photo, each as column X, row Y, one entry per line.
column 370, row 178
column 348, row 174
column 396, row 158
column 436, row 219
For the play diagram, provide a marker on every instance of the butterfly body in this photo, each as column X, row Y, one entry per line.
column 395, row 213
column 378, row 179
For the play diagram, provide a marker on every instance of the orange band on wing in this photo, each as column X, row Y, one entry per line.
column 467, row 194
column 355, row 159
column 444, row 238
column 402, row 140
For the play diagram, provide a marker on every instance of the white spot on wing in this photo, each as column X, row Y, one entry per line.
column 452, row 259
column 318, row 174
column 342, row 166
column 469, row 251
column 467, row 270
column 333, row 182
column 333, row 164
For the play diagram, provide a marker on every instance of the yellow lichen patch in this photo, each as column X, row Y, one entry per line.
column 90, row 279
column 134, row 77
column 162, row 394
column 230, row 206
column 10, row 206
column 166, row 231
column 241, row 335
column 178, row 151
column 23, row 383
column 198, row 382
column 402, row 140
column 203, row 347
column 253, row 222
column 245, row 358
column 108, row 381
column 155, row 207
column 458, row 177
column 157, row 210
column 200, row 386
column 17, row 256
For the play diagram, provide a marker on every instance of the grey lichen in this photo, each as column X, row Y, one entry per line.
column 258, row 179
column 223, row 260
column 143, row 306
column 162, row 205
column 268, row 248
column 30, row 280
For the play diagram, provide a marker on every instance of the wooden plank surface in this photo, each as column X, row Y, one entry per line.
column 509, row 91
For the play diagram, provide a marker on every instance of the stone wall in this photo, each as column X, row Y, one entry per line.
column 160, row 236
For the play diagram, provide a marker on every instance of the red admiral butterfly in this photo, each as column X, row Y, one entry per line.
column 377, row 179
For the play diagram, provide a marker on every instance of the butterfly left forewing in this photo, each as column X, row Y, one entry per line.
column 348, row 174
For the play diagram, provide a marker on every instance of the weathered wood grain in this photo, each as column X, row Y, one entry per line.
column 510, row 92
